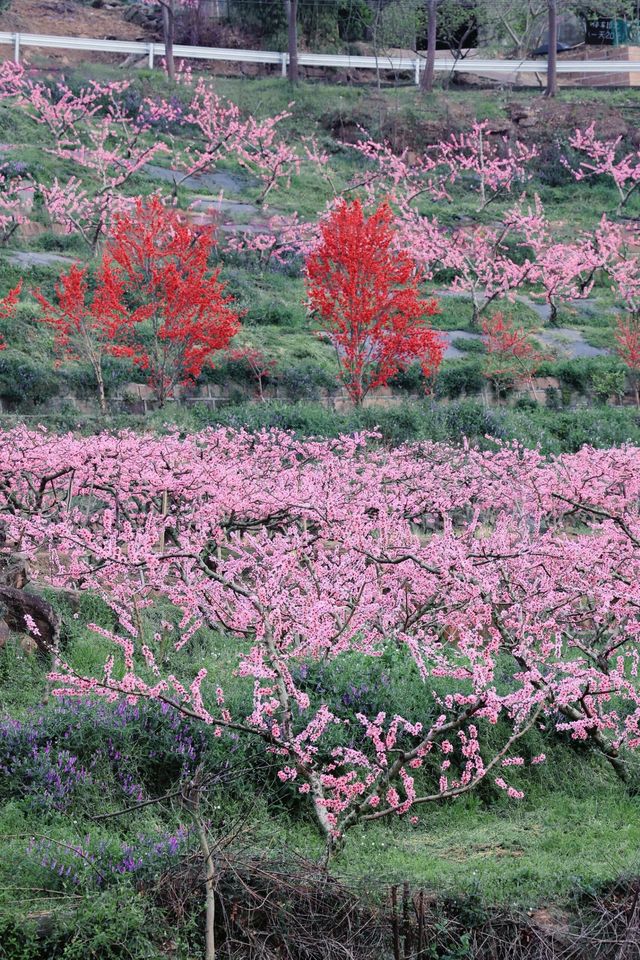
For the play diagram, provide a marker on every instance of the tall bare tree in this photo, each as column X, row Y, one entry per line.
column 426, row 81
column 552, row 49
column 291, row 11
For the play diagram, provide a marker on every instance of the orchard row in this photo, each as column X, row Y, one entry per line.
column 508, row 582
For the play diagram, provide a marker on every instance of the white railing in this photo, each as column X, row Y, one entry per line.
column 413, row 64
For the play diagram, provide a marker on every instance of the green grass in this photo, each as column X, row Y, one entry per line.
column 535, row 853
column 576, row 826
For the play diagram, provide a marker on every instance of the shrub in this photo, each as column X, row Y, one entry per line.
column 551, row 170
column 304, row 381
column 19, row 936
column 578, row 374
column 553, row 398
column 50, row 758
column 81, row 380
column 457, row 378
column 25, row 381
column 411, row 379
column 567, row 431
column 468, row 345
column 111, row 925
column 525, row 403
column 608, row 382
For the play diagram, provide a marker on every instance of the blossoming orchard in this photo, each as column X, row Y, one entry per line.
column 319, row 513
column 307, row 551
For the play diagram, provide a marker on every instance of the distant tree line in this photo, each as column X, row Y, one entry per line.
column 515, row 28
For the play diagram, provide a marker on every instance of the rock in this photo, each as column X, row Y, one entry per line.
column 517, row 112
column 27, row 643
column 17, row 605
column 13, row 570
column 499, row 128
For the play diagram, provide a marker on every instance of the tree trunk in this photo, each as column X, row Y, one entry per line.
column 291, row 10
column 426, row 81
column 168, row 27
column 195, row 24
column 552, row 55
column 101, row 394
column 210, row 890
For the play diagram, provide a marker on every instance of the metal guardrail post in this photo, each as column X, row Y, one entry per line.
column 417, row 72
column 284, row 63
column 16, row 47
column 151, row 56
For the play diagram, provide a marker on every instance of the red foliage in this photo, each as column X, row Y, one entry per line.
column 511, row 352
column 628, row 348
column 81, row 325
column 84, row 329
column 259, row 366
column 366, row 294
column 8, row 306
column 162, row 265
column 628, row 341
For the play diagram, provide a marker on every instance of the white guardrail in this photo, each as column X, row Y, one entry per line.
column 414, row 64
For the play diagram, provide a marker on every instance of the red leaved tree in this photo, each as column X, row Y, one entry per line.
column 177, row 315
column 85, row 327
column 511, row 355
column 7, row 308
column 257, row 364
column 366, row 295
column 628, row 348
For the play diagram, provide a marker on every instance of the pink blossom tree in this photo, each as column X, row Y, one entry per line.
column 490, row 165
column 567, row 269
column 16, row 195
column 112, row 148
column 92, row 129
column 99, row 132
column 481, row 257
column 275, row 541
column 493, row 163
column 256, row 145
column 605, row 158
column 624, row 271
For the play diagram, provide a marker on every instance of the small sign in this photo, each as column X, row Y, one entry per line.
column 610, row 31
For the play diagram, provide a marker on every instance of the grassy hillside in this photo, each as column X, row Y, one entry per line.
column 100, row 850
column 272, row 297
